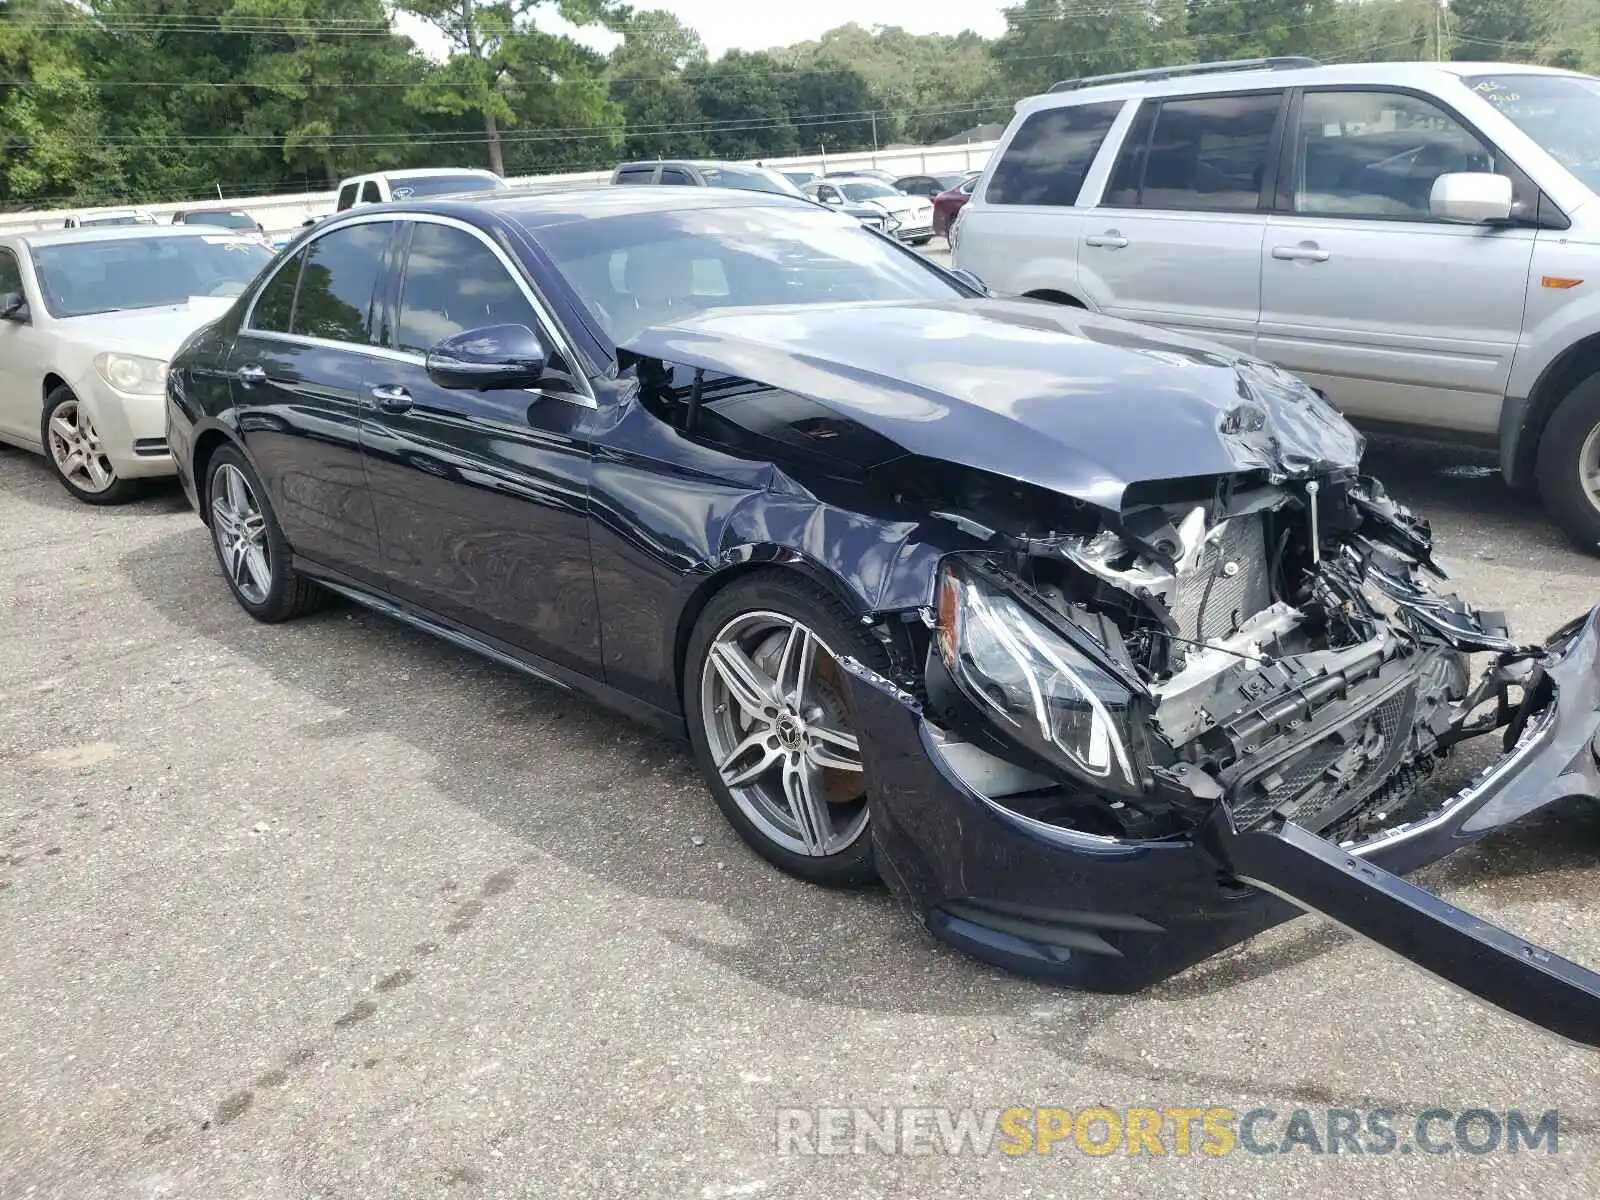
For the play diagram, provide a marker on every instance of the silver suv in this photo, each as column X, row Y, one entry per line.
column 1420, row 241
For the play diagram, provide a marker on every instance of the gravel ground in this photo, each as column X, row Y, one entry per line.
column 331, row 909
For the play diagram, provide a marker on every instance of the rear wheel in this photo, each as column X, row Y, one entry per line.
column 773, row 729
column 251, row 549
column 1568, row 469
column 76, row 455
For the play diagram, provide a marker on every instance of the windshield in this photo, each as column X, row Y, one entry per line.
column 79, row 278
column 865, row 189
column 749, row 181
column 442, row 185
column 647, row 269
column 224, row 220
column 1560, row 112
column 118, row 219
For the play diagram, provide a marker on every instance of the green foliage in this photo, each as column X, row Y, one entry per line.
column 105, row 101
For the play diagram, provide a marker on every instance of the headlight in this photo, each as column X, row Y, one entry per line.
column 133, row 373
column 1032, row 683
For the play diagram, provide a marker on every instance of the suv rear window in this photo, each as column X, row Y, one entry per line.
column 1046, row 160
column 1207, row 153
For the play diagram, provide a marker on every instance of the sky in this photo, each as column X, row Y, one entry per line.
column 734, row 24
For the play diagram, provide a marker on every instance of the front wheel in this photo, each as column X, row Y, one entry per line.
column 1568, row 469
column 773, row 729
column 77, row 458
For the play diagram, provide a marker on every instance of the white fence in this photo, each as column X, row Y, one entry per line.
column 283, row 214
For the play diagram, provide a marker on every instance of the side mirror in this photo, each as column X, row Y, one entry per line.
column 497, row 356
column 971, row 280
column 1471, row 197
column 14, row 307
column 833, row 198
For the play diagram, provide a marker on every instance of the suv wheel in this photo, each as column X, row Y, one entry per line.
column 1569, row 464
column 769, row 715
column 76, row 457
column 250, row 547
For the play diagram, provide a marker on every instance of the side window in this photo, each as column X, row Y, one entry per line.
column 636, row 174
column 337, row 282
column 453, row 282
column 275, row 303
column 1046, row 160
column 10, row 274
column 1122, row 190
column 347, row 197
column 1376, row 154
column 1206, row 154
column 369, row 192
column 677, row 176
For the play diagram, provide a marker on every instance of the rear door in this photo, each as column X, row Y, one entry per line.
column 482, row 496
column 1176, row 238
column 299, row 366
column 1395, row 315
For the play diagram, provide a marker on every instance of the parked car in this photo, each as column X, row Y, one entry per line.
column 909, row 218
column 737, row 176
column 947, row 204
column 232, row 219
column 108, row 216
column 383, row 186
column 1424, row 251
column 88, row 319
column 1090, row 636
column 928, row 185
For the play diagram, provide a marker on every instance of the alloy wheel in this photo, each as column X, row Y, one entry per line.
column 781, row 733
column 241, row 533
column 76, row 450
column 1589, row 466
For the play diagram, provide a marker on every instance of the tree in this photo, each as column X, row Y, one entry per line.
column 498, row 57
column 659, row 109
column 742, row 99
column 1047, row 40
column 1498, row 30
column 51, row 129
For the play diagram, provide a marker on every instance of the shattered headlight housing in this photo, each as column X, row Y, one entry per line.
column 1035, row 687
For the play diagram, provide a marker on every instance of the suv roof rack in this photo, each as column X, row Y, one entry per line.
column 1281, row 63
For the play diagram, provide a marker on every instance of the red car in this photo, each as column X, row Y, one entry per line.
column 947, row 204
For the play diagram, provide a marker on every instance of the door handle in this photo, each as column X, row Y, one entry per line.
column 250, row 375
column 392, row 399
column 1304, row 252
column 1110, row 240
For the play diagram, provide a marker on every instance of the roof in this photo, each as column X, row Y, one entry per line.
column 419, row 173
column 1395, row 73
column 114, row 233
column 534, row 209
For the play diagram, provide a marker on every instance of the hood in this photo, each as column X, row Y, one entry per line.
column 1056, row 397
column 153, row 332
column 900, row 204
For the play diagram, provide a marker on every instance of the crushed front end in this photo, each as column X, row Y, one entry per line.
column 1124, row 743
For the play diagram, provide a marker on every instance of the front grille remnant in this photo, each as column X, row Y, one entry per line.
column 1233, row 566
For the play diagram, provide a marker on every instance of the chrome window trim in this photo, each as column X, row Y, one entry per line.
column 551, row 329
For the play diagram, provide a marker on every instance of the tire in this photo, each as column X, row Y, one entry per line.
column 250, row 547
column 922, row 241
column 1569, row 451
column 823, row 838
column 77, row 459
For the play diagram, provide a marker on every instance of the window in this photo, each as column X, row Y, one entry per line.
column 674, row 175
column 347, row 197
column 1046, row 160
column 1376, row 154
column 369, row 192
column 636, row 174
column 337, row 281
column 453, row 282
column 1208, row 153
column 10, row 274
column 275, row 303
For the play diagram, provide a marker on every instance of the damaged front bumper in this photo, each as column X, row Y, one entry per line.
column 1108, row 914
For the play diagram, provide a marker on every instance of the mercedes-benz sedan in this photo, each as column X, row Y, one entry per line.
column 1092, row 641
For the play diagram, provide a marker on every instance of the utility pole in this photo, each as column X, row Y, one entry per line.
column 1438, row 31
column 874, row 131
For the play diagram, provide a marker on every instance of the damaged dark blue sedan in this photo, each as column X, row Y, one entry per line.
column 1093, row 643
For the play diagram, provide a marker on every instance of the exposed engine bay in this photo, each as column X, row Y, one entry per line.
column 1276, row 643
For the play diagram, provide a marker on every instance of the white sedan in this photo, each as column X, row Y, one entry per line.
column 909, row 218
column 88, row 321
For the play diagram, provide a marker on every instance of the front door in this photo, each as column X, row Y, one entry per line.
column 1176, row 238
column 299, row 376
column 1397, row 316
column 481, row 497
column 21, row 377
